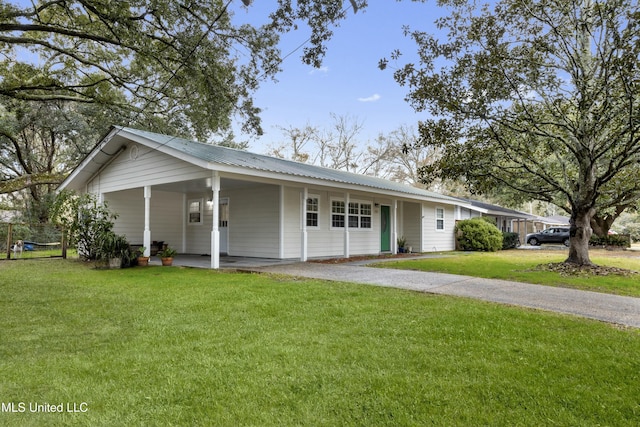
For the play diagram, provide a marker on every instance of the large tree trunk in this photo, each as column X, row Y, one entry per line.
column 601, row 224
column 580, row 233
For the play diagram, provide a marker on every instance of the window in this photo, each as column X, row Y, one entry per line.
column 440, row 219
column 312, row 211
column 365, row 215
column 358, row 214
column 223, row 213
column 195, row 212
column 353, row 215
column 337, row 213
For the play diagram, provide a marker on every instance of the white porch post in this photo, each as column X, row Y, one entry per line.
column 303, row 222
column 346, row 225
column 281, row 224
column 215, row 227
column 185, row 208
column 146, row 237
column 394, row 234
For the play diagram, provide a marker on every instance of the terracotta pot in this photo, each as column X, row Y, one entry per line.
column 167, row 261
column 143, row 261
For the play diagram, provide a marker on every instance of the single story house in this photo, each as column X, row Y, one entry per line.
column 507, row 220
column 211, row 200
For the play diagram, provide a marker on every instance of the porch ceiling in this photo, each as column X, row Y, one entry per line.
column 203, row 185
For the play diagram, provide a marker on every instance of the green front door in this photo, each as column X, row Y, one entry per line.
column 385, row 229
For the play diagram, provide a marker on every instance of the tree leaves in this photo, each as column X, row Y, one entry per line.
column 186, row 61
column 545, row 94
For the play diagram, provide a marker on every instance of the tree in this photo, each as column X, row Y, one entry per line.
column 540, row 96
column 336, row 147
column 409, row 153
column 40, row 143
column 86, row 221
column 185, row 62
column 72, row 68
column 297, row 139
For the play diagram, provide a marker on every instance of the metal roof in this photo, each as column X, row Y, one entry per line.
column 497, row 210
column 243, row 159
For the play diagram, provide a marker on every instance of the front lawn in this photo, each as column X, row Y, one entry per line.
column 521, row 266
column 188, row 347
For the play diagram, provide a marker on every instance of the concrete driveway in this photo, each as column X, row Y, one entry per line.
column 604, row 307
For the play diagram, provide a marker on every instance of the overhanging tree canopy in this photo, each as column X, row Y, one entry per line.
column 541, row 96
column 183, row 60
column 69, row 69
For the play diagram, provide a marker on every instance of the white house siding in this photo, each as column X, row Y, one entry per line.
column 466, row 213
column 292, row 238
column 324, row 241
column 437, row 240
column 254, row 221
column 165, row 220
column 411, row 222
column 139, row 166
column 198, row 236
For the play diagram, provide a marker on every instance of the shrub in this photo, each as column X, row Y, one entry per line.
column 620, row 240
column 510, row 240
column 111, row 245
column 477, row 234
column 85, row 220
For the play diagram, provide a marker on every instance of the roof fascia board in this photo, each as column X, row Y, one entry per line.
column 88, row 159
column 275, row 178
column 163, row 148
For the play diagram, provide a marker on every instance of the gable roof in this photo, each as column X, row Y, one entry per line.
column 210, row 156
column 490, row 209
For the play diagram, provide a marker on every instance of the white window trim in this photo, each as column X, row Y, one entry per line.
column 334, row 199
column 346, row 207
column 318, row 212
column 188, row 207
column 444, row 222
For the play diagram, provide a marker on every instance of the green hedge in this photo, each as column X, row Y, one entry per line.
column 510, row 240
column 476, row 234
column 619, row 240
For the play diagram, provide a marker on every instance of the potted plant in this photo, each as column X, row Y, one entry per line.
column 401, row 244
column 166, row 255
column 142, row 260
column 114, row 250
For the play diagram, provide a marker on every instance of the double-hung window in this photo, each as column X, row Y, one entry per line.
column 195, row 211
column 365, row 215
column 312, row 211
column 337, row 213
column 358, row 214
column 440, row 219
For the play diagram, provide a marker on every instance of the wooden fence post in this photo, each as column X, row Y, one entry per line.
column 9, row 227
column 64, row 244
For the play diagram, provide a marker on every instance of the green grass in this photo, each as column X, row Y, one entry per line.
column 520, row 265
column 174, row 346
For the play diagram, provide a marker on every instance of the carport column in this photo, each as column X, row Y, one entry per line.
column 346, row 225
column 394, row 234
column 215, row 228
column 146, row 237
column 303, row 223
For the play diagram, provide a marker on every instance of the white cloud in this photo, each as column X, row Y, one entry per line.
column 323, row 69
column 372, row 98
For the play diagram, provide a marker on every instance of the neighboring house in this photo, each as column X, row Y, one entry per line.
column 207, row 199
column 539, row 223
column 505, row 219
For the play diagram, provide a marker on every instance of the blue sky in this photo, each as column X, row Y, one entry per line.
column 349, row 83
